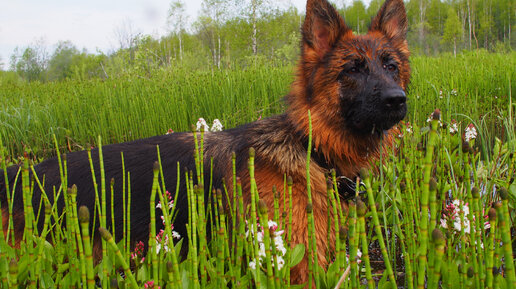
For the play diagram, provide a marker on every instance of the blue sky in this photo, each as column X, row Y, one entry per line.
column 89, row 24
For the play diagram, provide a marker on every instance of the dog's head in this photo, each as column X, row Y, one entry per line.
column 353, row 82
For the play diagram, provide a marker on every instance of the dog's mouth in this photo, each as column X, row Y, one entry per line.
column 375, row 121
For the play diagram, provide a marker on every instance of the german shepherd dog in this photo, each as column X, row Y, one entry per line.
column 354, row 87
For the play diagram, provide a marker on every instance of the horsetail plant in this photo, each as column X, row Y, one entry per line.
column 84, row 219
column 109, row 239
column 353, row 244
column 361, row 211
column 425, row 186
column 438, row 241
column 63, row 256
column 490, row 246
column 364, row 175
column 504, row 222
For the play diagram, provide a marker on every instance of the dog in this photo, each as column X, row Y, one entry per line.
column 354, row 87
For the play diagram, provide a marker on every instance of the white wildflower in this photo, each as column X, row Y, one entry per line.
column 409, row 127
column 457, row 225
column 217, row 125
column 454, row 127
column 272, row 225
column 176, row 235
column 261, row 251
column 452, row 214
column 465, row 207
column 280, row 247
column 487, row 225
column 277, row 242
column 470, row 132
column 453, row 92
column 158, row 248
column 281, row 262
column 201, row 123
column 430, row 118
column 252, row 265
column 443, row 224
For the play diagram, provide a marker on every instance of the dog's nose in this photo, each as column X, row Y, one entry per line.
column 394, row 98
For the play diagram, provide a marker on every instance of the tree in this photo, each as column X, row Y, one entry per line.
column 214, row 14
column 356, row 16
column 61, row 62
column 32, row 63
column 177, row 20
column 452, row 29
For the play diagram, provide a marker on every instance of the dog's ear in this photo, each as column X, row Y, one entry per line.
column 323, row 27
column 391, row 20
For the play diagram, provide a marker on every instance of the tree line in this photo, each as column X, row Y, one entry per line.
column 236, row 33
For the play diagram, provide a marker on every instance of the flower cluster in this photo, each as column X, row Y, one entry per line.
column 429, row 119
column 150, row 284
column 170, row 201
column 470, row 133
column 358, row 257
column 162, row 239
column 138, row 252
column 454, row 127
column 409, row 128
column 277, row 241
column 405, row 127
column 451, row 217
column 216, row 126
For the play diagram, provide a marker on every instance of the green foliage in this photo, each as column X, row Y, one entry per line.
column 474, row 84
column 227, row 32
column 452, row 29
column 31, row 64
column 60, row 64
column 454, row 256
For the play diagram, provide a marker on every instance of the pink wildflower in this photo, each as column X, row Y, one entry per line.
column 150, row 284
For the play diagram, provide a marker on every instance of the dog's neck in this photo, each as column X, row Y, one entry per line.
column 334, row 148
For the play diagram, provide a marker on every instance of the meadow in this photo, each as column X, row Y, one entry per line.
column 473, row 85
column 435, row 212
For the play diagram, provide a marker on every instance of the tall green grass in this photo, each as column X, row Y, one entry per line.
column 474, row 84
column 432, row 221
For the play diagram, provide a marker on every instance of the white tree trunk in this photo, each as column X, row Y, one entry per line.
column 469, row 23
column 255, row 49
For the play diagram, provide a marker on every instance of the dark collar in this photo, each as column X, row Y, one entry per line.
column 346, row 186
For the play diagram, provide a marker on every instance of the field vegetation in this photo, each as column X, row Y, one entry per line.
column 432, row 168
column 436, row 211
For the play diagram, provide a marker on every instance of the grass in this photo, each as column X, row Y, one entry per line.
column 474, row 84
column 427, row 198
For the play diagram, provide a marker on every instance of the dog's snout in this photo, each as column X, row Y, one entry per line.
column 394, row 98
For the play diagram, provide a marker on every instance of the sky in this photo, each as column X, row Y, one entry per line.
column 89, row 24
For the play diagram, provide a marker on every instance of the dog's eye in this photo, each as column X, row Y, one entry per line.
column 390, row 67
column 353, row 69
